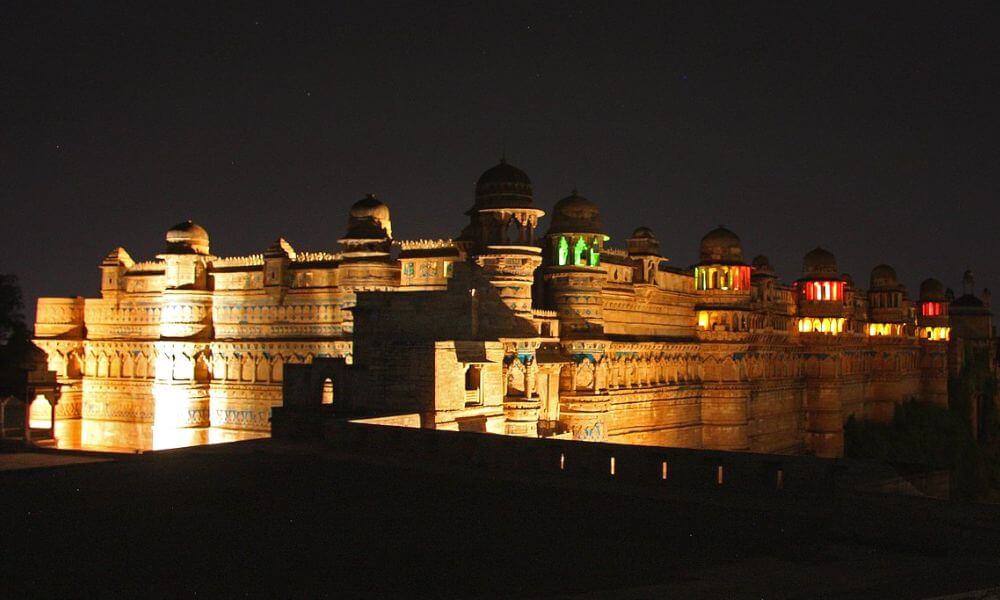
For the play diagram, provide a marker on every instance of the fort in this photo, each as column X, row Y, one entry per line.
column 517, row 326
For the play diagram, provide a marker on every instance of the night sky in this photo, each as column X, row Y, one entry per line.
column 870, row 131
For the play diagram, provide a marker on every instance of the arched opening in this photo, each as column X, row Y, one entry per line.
column 513, row 231
column 562, row 251
column 327, row 391
column 578, row 252
column 473, row 384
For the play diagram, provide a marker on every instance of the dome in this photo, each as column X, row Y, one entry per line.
column 931, row 290
column 848, row 280
column 575, row 214
column 819, row 263
column 503, row 186
column 369, row 220
column 643, row 242
column 721, row 246
column 884, row 277
column 187, row 238
column 370, row 207
column 762, row 265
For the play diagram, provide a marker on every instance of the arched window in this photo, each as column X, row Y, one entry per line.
column 513, row 231
column 563, row 251
column 595, row 255
column 327, row 391
column 578, row 252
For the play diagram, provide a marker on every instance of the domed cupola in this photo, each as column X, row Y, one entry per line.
column 931, row 290
column 369, row 231
column 187, row 238
column 503, row 214
column 721, row 266
column 503, row 186
column 887, row 304
column 933, row 303
column 819, row 263
column 761, row 265
column 576, row 235
column 643, row 243
column 575, row 214
column 721, row 246
column 369, row 220
column 884, row 278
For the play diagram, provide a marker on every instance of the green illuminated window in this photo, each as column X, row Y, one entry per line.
column 578, row 250
column 563, row 251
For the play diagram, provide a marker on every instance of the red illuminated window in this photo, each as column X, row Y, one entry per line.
column 823, row 291
column 932, row 309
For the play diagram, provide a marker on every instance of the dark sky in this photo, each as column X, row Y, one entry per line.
column 871, row 131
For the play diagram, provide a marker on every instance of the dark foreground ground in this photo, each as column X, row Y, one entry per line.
column 263, row 519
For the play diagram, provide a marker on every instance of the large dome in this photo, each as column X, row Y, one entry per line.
column 369, row 219
column 503, row 186
column 575, row 214
column 931, row 290
column 883, row 278
column 819, row 263
column 187, row 238
column 721, row 246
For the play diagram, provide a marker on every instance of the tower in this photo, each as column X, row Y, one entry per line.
column 500, row 240
column 723, row 308
column 822, row 321
column 891, row 337
column 366, row 263
column 181, row 386
column 573, row 280
column 934, row 331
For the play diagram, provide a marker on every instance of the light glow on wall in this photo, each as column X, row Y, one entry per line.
column 885, row 329
column 936, row 334
column 829, row 326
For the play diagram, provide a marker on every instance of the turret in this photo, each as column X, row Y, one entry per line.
column 573, row 276
column 722, row 283
column 113, row 268
column 888, row 307
column 644, row 250
column 932, row 317
column 277, row 258
column 821, row 294
column 500, row 238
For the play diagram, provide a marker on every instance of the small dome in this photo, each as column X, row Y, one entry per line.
column 369, row 206
column 503, row 186
column 575, row 214
column 819, row 263
column 369, row 219
column 721, row 246
column 762, row 265
column 847, row 279
column 931, row 290
column 187, row 238
column 643, row 243
column 884, row 277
